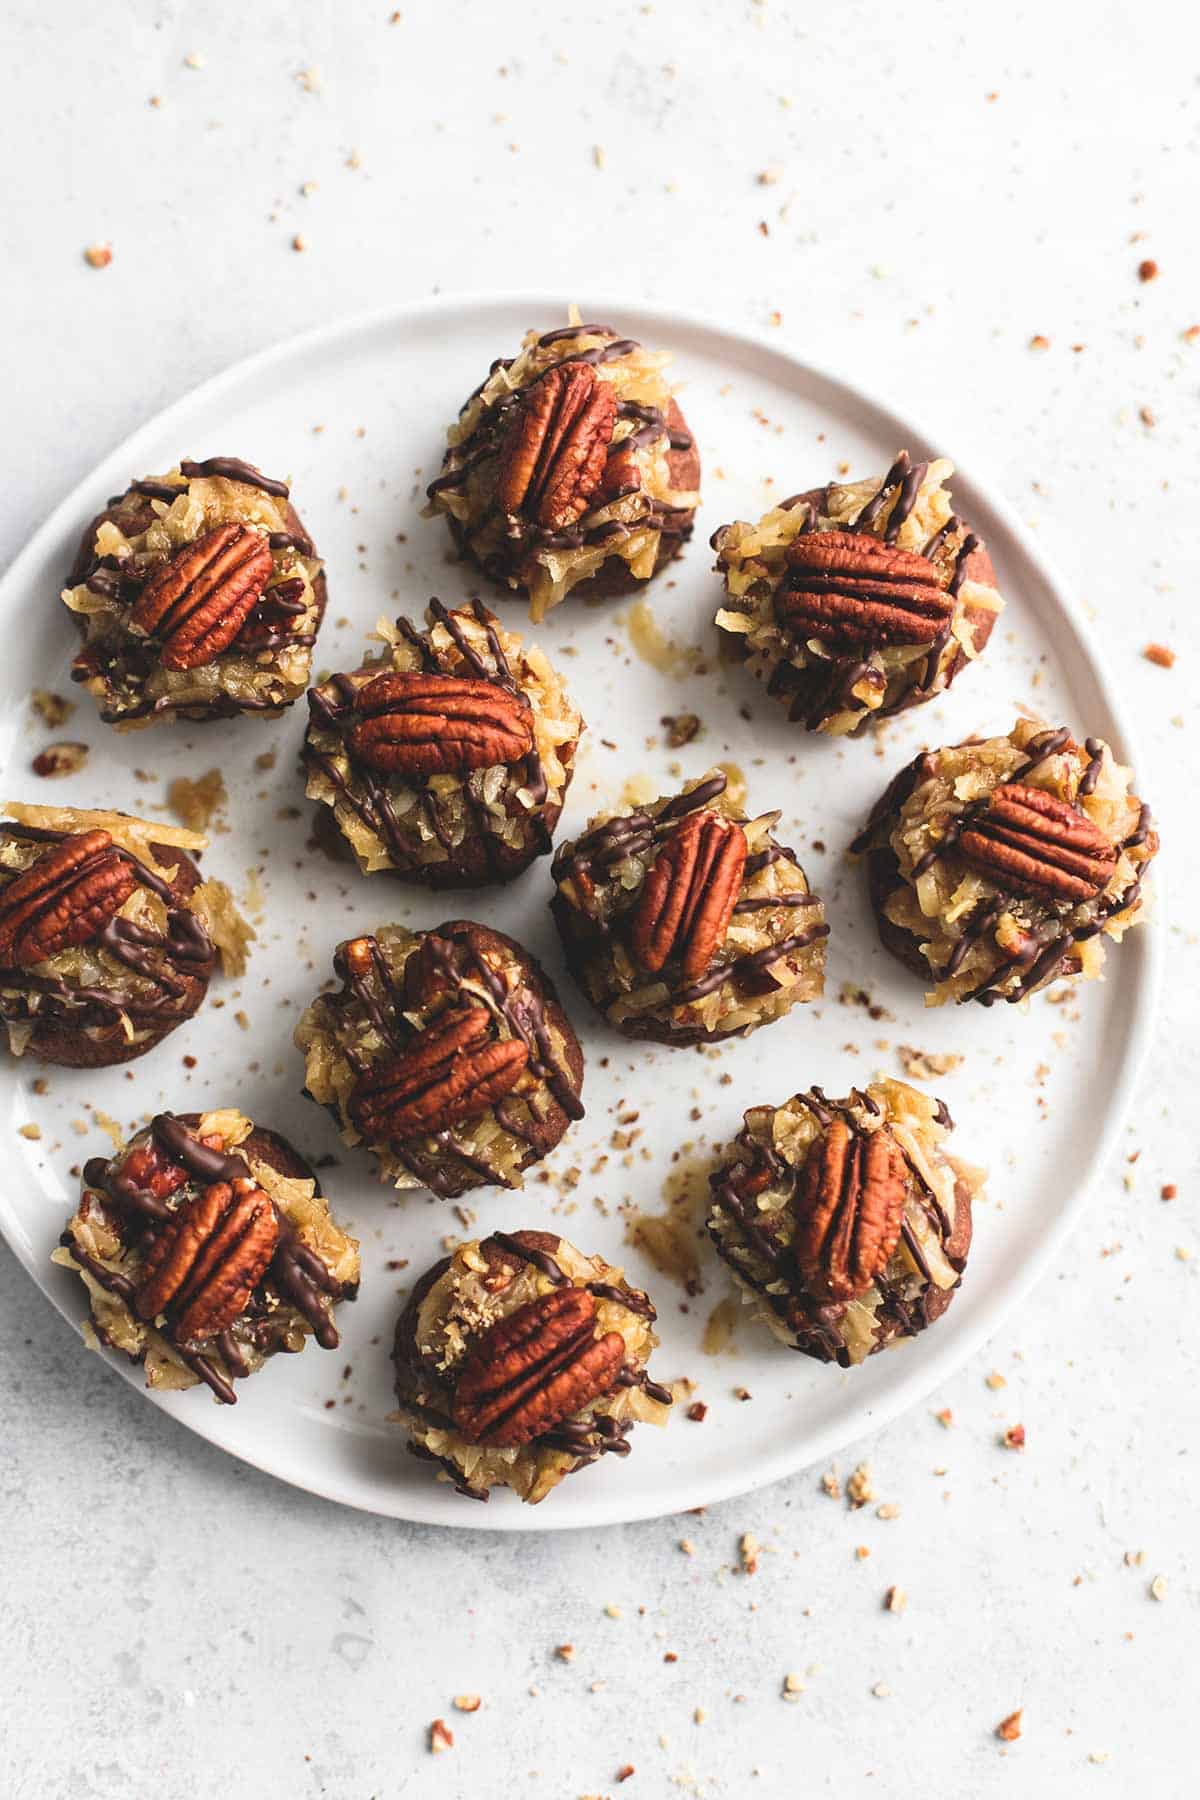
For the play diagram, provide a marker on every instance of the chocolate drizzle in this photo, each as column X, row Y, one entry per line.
column 232, row 468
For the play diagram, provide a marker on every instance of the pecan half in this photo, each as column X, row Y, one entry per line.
column 198, row 602
column 553, row 455
column 1034, row 843
column 431, row 724
column 453, row 1070
column 532, row 1370
column 202, row 1268
column 64, row 899
column 846, row 588
column 849, row 1209
column 689, row 893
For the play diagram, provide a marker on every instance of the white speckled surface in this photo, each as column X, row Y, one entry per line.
column 176, row 1624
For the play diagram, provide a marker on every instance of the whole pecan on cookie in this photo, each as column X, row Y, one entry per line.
column 553, row 455
column 64, row 899
column 430, row 724
column 530, row 1371
column 1033, row 843
column 689, row 894
column 849, row 1210
column 203, row 1266
column 197, row 603
column 453, row 1070
column 846, row 588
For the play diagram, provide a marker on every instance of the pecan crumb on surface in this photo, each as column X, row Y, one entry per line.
column 749, row 1549
column 1158, row 1588
column 1147, row 269
column 53, row 709
column 924, row 1065
column 98, row 256
column 60, row 759
column 467, row 1703
column 895, row 1600
column 681, row 728
column 1009, row 1729
column 440, row 1737
column 859, row 1486
column 1160, row 654
column 1014, row 1438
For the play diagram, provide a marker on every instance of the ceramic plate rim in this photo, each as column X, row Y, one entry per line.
column 1009, row 1290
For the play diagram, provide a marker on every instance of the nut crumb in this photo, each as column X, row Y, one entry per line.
column 859, row 1488
column 1158, row 1588
column 467, row 1703
column 1147, row 269
column 681, row 728
column 53, row 709
column 440, row 1737
column 565, row 1652
column 895, row 1600
column 996, row 1380
column 60, row 759
column 749, row 1550
column 1039, row 342
column 1160, row 654
column 793, row 1687
column 1009, row 1728
column 1014, row 1438
column 33, row 1132
column 98, row 255
column 924, row 1065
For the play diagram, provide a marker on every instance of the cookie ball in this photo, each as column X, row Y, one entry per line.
column 206, row 1246
column 445, row 761
column 855, row 602
column 845, row 1222
column 108, row 933
column 1001, row 865
column 685, row 922
column 198, row 595
column 520, row 1361
column 570, row 468
column 446, row 1053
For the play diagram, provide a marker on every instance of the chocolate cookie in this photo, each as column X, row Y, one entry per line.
column 446, row 1053
column 447, row 760
column 198, row 595
column 855, row 602
column 108, row 934
column 845, row 1221
column 998, row 866
column 206, row 1246
column 520, row 1361
column 570, row 469
column 685, row 922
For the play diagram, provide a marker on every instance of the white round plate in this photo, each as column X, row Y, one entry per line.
column 355, row 415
